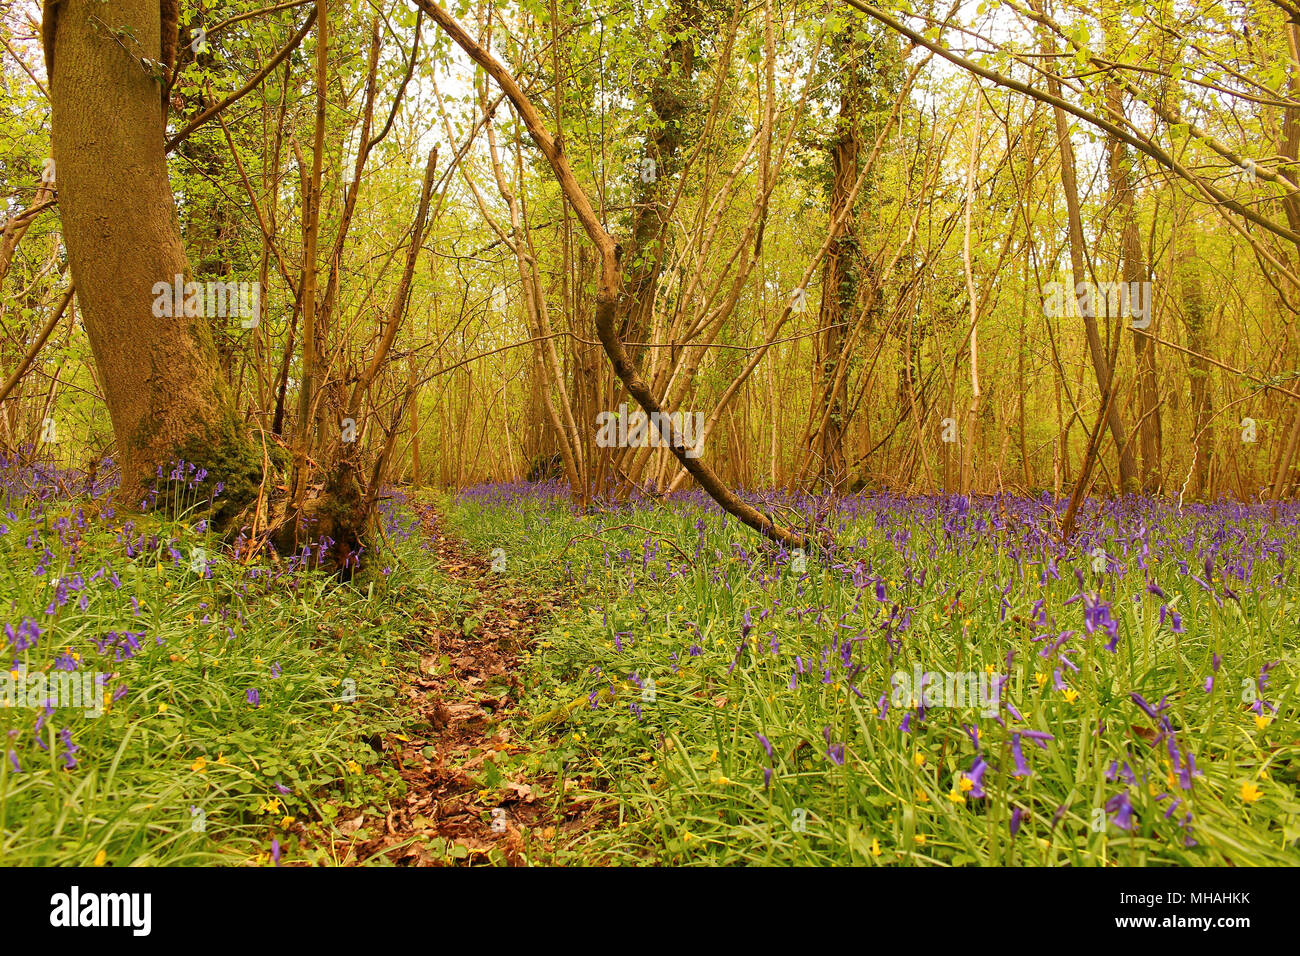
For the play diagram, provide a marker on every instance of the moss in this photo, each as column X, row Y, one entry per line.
column 225, row 451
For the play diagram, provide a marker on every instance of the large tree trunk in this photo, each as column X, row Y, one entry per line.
column 161, row 378
column 840, row 271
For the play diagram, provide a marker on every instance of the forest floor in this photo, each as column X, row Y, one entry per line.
column 466, row 797
column 511, row 682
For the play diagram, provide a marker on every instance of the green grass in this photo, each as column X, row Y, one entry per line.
column 684, row 779
column 181, row 768
column 675, row 774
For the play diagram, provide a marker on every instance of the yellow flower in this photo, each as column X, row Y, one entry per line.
column 919, row 759
column 966, row 784
column 988, row 669
column 922, row 796
column 956, row 796
column 920, row 839
column 354, row 767
column 1041, row 678
column 221, row 759
column 101, row 858
column 199, row 764
column 334, row 708
column 875, row 848
column 1071, row 695
column 1262, row 720
column 162, row 708
column 723, row 781
column 1250, row 793
column 270, row 806
column 286, row 823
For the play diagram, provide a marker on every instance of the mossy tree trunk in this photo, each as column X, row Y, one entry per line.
column 160, row 374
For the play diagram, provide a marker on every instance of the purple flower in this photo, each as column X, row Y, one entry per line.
column 1152, row 712
column 1214, row 668
column 1022, row 768
column 1039, row 737
column 69, row 748
column 1120, row 770
column 976, row 776
column 1188, row 771
column 1121, row 809
column 254, row 697
column 834, row 751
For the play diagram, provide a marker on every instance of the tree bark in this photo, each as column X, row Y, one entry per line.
column 161, row 379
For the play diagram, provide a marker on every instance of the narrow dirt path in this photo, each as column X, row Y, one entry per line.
column 466, row 688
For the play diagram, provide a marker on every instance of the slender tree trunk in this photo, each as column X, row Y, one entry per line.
column 1134, row 272
column 972, row 411
column 1096, row 349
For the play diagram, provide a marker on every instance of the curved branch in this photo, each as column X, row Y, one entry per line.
column 610, row 280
